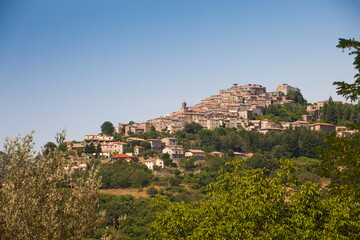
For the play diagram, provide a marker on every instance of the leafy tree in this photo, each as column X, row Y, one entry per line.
column 90, row 148
column 187, row 163
column 151, row 191
column 36, row 201
column 230, row 153
column 79, row 151
column 341, row 163
column 350, row 90
column 340, row 159
column 296, row 96
column 62, row 147
column 49, row 147
column 136, row 213
column 146, row 145
column 128, row 149
column 148, row 154
column 192, row 127
column 98, row 150
column 167, row 160
column 107, row 128
column 246, row 204
column 283, row 113
column 118, row 137
column 262, row 161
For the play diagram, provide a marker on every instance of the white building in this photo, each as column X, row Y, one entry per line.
column 151, row 162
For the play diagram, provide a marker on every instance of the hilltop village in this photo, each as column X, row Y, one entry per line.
column 235, row 107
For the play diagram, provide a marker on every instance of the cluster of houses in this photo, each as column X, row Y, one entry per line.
column 115, row 151
column 233, row 108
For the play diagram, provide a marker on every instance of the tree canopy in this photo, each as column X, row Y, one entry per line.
column 39, row 200
column 350, row 90
column 246, row 204
column 107, row 128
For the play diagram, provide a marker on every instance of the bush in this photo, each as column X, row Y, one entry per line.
column 151, row 191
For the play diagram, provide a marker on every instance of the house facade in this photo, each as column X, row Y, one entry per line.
column 151, row 162
column 175, row 152
column 198, row 154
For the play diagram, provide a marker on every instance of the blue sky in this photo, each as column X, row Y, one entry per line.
column 75, row 64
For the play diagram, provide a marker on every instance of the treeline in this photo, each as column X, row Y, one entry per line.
column 291, row 142
column 341, row 114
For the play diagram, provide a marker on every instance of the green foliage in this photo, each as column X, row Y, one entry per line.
column 151, row 191
column 174, row 181
column 98, row 150
column 90, row 148
column 265, row 162
column 340, row 161
column 146, row 145
column 166, row 158
column 38, row 200
column 192, row 127
column 294, row 142
column 296, row 96
column 79, row 151
column 128, row 149
column 200, row 180
column 118, row 137
column 124, row 175
column 340, row 113
column 283, row 113
column 156, row 168
column 187, row 163
column 148, row 154
column 138, row 214
column 246, row 204
column 107, row 128
column 49, row 147
column 62, row 147
column 350, row 90
column 214, row 163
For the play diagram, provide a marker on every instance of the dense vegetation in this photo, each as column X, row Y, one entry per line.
column 137, row 214
column 341, row 114
column 291, row 142
column 246, row 204
column 283, row 113
column 123, row 175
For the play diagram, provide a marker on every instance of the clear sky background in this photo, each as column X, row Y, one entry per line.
column 75, row 64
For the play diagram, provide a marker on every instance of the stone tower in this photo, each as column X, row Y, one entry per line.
column 183, row 107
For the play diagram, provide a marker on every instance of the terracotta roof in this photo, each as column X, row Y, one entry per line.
column 122, row 156
column 138, row 147
column 153, row 140
column 324, row 124
column 120, row 143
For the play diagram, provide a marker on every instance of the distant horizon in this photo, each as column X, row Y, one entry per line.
column 76, row 64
